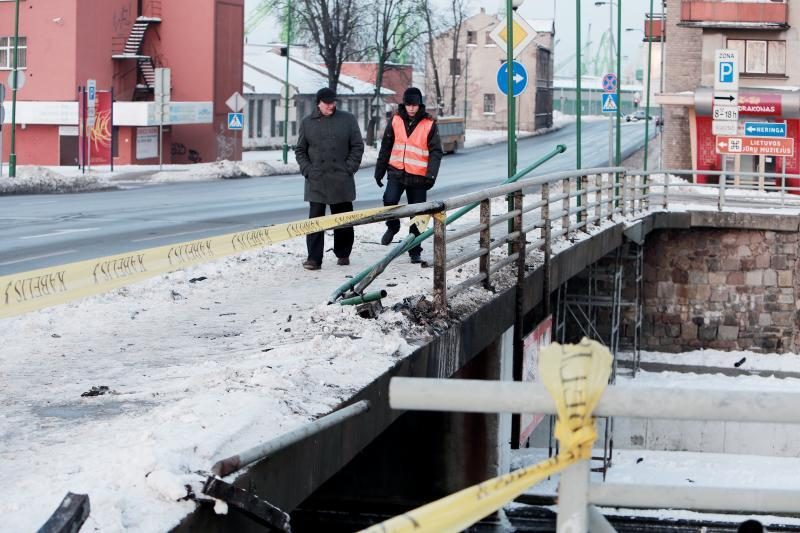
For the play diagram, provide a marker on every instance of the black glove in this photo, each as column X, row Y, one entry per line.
column 429, row 182
column 379, row 181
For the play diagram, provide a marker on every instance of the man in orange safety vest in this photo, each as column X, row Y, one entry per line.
column 410, row 154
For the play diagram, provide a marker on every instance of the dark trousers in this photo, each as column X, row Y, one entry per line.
column 391, row 196
column 342, row 237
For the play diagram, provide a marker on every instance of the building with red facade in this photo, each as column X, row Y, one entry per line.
column 764, row 34
column 120, row 43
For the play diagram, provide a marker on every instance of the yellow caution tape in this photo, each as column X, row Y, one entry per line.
column 576, row 376
column 37, row 289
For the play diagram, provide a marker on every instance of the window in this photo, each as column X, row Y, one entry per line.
column 251, row 115
column 760, row 57
column 260, row 118
column 472, row 38
column 273, row 105
column 488, row 103
column 455, row 66
column 7, row 53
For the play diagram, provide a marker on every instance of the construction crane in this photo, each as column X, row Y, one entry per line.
column 595, row 60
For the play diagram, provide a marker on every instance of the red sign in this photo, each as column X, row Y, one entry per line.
column 533, row 344
column 777, row 146
column 760, row 104
column 100, row 134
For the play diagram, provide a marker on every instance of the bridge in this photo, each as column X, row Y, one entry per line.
column 484, row 297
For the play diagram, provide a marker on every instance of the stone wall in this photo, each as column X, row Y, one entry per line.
column 721, row 289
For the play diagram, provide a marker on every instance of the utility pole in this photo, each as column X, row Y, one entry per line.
column 647, row 100
column 286, row 85
column 619, row 82
column 512, row 113
column 578, row 89
column 12, row 156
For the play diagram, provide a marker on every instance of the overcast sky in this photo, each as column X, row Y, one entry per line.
column 633, row 13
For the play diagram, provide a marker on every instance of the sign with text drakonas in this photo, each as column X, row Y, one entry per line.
column 760, row 104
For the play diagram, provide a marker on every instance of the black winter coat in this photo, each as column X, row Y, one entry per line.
column 329, row 151
column 434, row 152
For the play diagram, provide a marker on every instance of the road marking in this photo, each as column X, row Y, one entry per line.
column 35, row 257
column 58, row 232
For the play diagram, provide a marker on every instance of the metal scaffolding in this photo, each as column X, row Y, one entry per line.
column 591, row 305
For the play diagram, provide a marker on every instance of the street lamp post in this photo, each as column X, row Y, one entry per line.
column 511, row 7
column 649, row 37
column 286, row 85
column 611, row 4
column 12, row 156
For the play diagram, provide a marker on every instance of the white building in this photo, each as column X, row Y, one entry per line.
column 264, row 75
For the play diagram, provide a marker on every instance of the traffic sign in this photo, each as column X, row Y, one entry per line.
column 610, row 83
column 725, row 112
column 610, row 102
column 236, row 102
column 765, row 129
column 755, row 146
column 725, row 127
column 235, row 121
column 726, row 70
column 91, row 101
column 524, row 34
column 16, row 82
column 520, row 78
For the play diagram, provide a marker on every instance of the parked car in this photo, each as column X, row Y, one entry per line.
column 636, row 116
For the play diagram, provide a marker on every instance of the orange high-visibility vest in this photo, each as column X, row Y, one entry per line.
column 411, row 153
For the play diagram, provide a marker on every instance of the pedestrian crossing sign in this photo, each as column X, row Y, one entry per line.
column 235, row 121
column 610, row 102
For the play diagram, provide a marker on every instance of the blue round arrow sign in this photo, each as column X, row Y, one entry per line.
column 520, row 78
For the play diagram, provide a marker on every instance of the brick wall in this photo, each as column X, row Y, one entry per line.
column 683, row 64
column 721, row 289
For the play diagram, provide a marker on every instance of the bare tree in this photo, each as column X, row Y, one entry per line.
column 333, row 26
column 425, row 6
column 458, row 10
column 395, row 30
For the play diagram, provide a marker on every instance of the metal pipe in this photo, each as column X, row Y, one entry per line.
column 364, row 298
column 233, row 463
column 647, row 101
column 573, row 494
column 477, row 396
column 598, row 523
column 12, row 155
column 286, row 84
column 559, row 149
column 762, row 500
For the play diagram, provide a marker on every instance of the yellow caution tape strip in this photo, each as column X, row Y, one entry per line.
column 37, row 289
column 576, row 376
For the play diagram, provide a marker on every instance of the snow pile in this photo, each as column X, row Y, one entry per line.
column 38, row 180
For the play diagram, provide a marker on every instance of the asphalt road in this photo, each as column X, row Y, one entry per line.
column 45, row 230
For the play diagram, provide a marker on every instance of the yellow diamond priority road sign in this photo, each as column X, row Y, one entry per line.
column 523, row 34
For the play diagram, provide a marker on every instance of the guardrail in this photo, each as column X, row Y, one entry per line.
column 546, row 209
column 577, row 494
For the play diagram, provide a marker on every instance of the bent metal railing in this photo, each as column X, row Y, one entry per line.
column 549, row 210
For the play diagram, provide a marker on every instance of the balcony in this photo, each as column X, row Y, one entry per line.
column 753, row 14
column 657, row 26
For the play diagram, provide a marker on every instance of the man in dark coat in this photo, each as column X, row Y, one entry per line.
column 411, row 152
column 329, row 149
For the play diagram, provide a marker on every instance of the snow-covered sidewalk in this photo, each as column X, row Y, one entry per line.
column 32, row 179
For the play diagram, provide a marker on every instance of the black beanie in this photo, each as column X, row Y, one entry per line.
column 326, row 95
column 412, row 96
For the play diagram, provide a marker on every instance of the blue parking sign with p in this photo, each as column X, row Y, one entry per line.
column 726, row 71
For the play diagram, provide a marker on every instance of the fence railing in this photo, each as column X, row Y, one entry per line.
column 548, row 209
column 577, row 494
